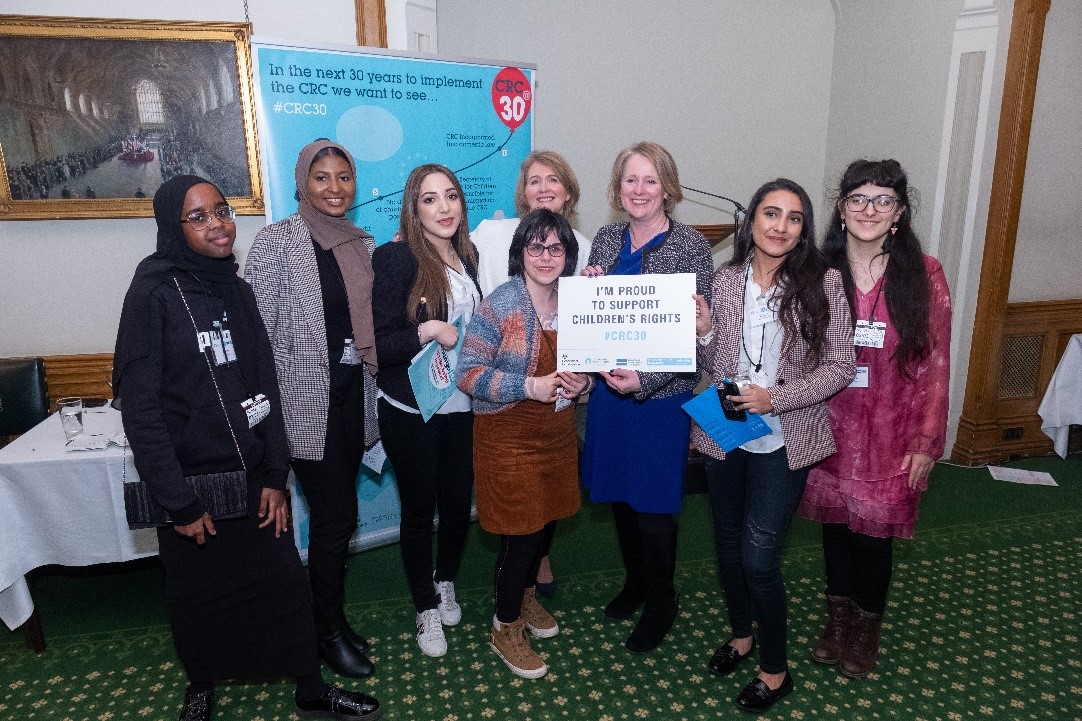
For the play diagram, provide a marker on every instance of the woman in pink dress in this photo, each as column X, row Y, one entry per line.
column 890, row 424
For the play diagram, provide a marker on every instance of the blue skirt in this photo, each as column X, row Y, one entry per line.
column 636, row 451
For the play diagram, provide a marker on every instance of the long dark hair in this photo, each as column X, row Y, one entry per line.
column 803, row 306
column 906, row 280
column 428, row 294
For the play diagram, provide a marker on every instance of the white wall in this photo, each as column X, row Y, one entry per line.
column 735, row 90
column 1048, row 254
column 62, row 282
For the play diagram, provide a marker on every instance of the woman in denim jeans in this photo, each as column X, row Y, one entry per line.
column 779, row 319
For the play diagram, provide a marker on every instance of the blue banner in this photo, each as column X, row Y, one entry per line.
column 393, row 114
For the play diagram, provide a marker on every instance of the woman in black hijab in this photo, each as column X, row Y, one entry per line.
column 235, row 589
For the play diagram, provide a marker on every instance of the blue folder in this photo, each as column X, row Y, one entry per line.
column 432, row 373
column 705, row 410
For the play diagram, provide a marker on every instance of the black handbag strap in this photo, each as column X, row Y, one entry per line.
column 210, row 368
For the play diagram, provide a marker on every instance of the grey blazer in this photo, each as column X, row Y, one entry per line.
column 281, row 268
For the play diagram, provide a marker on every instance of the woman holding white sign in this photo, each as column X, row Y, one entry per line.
column 422, row 282
column 640, row 409
column 525, row 450
column 779, row 331
column 891, row 424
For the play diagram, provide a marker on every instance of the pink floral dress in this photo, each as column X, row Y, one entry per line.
column 862, row 485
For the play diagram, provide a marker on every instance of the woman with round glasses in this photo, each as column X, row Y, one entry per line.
column 890, row 424
column 235, row 588
column 525, row 451
column 637, row 433
column 312, row 276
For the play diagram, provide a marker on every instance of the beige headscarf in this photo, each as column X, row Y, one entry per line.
column 352, row 248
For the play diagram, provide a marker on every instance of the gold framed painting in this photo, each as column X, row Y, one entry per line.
column 95, row 114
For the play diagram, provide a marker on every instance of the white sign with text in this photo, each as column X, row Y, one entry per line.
column 639, row 322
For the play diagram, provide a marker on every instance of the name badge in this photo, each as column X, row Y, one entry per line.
column 256, row 409
column 868, row 334
column 349, row 353
column 227, row 343
column 759, row 378
column 761, row 315
column 861, row 379
column 217, row 347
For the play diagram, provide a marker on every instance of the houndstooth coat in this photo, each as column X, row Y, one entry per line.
column 281, row 268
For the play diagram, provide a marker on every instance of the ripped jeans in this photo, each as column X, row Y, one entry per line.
column 753, row 497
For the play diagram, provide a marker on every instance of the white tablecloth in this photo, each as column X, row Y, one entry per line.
column 1062, row 403
column 62, row 507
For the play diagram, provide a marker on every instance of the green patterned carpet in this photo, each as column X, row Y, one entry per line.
column 983, row 623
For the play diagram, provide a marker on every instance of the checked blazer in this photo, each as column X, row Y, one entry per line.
column 801, row 388
column 281, row 268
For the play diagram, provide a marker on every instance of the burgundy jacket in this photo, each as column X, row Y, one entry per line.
column 801, row 389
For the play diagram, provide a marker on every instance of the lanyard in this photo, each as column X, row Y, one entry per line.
column 762, row 340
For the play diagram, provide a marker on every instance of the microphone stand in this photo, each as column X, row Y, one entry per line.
column 738, row 214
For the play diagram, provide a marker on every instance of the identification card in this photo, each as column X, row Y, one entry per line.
column 762, row 315
column 349, row 353
column 869, row 334
column 256, row 409
column 227, row 343
column 217, row 347
column 861, row 379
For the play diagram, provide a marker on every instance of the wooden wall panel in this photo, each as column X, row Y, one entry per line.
column 1011, row 428
column 79, row 375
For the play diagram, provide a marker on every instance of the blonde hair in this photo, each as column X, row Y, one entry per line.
column 563, row 172
column 663, row 163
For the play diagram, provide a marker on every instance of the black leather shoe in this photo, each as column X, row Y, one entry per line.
column 343, row 657
column 757, row 696
column 359, row 642
column 657, row 618
column 197, row 706
column 726, row 658
column 339, row 703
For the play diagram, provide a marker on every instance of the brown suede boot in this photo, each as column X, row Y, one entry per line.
column 829, row 646
column 861, row 649
column 510, row 643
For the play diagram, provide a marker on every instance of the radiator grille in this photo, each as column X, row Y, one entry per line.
column 1021, row 366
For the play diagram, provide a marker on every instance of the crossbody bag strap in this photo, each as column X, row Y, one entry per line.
column 210, row 369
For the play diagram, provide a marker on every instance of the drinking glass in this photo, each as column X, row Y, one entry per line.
column 71, row 416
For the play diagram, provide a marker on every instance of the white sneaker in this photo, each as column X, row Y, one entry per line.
column 430, row 633
column 450, row 611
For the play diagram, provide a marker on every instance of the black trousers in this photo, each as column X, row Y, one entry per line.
column 858, row 566
column 433, row 467
column 516, row 569
column 330, row 486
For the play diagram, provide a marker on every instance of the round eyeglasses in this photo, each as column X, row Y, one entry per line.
column 202, row 221
column 556, row 250
column 882, row 203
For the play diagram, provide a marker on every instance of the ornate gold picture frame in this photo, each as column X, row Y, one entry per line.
column 95, row 114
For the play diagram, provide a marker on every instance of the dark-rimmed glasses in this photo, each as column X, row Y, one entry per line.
column 857, row 202
column 202, row 221
column 535, row 249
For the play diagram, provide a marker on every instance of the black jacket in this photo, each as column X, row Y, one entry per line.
column 397, row 343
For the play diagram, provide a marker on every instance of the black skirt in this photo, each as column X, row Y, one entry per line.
column 239, row 606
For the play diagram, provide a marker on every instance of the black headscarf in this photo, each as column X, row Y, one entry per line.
column 172, row 255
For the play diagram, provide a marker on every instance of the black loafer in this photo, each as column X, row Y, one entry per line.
column 339, row 703
column 359, row 642
column 726, row 659
column 343, row 658
column 757, row 697
column 197, row 706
